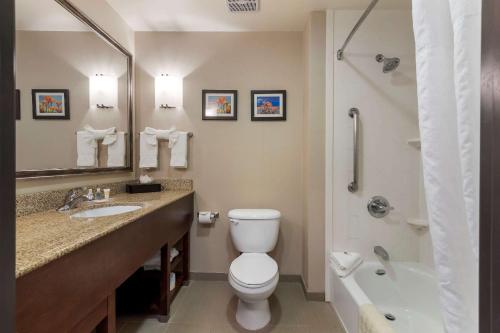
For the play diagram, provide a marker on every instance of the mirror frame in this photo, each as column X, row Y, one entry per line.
column 116, row 45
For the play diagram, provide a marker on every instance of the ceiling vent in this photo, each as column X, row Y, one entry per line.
column 237, row 6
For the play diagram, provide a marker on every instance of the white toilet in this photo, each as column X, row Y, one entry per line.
column 254, row 275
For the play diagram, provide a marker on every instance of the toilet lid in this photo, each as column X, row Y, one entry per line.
column 253, row 268
column 254, row 214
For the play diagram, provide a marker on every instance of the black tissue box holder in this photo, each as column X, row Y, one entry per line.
column 143, row 188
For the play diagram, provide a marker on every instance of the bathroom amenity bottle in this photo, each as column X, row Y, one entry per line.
column 90, row 195
column 98, row 194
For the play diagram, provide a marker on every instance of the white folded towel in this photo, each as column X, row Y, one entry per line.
column 159, row 133
column 116, row 150
column 86, row 148
column 148, row 144
column 86, row 144
column 179, row 145
column 371, row 320
column 345, row 262
column 154, row 263
column 105, row 134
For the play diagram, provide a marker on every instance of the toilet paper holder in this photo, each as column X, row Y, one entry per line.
column 213, row 215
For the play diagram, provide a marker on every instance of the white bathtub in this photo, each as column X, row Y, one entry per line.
column 407, row 290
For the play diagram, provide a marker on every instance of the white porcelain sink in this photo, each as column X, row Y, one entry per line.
column 106, row 211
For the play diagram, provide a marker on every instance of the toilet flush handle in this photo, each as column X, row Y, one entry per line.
column 235, row 222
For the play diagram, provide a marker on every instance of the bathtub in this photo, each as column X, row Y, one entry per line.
column 407, row 291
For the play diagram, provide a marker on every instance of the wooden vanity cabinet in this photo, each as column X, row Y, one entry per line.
column 76, row 293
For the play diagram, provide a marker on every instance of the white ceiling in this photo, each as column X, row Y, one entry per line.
column 45, row 15
column 213, row 15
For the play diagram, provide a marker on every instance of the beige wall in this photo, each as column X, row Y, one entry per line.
column 234, row 164
column 110, row 21
column 314, row 153
column 63, row 60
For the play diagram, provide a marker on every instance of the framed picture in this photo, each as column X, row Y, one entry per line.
column 18, row 104
column 219, row 105
column 50, row 104
column 268, row 105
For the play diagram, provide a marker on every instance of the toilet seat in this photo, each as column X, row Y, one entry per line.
column 253, row 270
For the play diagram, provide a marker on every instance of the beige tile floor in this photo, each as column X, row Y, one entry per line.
column 209, row 307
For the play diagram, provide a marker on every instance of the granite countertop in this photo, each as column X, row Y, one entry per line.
column 46, row 236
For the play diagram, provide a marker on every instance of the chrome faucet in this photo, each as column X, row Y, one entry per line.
column 73, row 198
column 381, row 252
column 379, row 207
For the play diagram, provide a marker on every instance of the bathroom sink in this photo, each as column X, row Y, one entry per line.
column 106, row 211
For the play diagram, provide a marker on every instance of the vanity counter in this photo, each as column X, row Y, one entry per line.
column 46, row 236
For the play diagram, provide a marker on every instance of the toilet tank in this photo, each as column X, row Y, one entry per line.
column 254, row 230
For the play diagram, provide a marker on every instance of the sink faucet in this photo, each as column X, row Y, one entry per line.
column 381, row 252
column 73, row 198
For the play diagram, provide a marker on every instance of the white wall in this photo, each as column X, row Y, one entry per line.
column 388, row 113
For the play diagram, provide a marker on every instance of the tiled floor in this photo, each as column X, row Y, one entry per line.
column 209, row 307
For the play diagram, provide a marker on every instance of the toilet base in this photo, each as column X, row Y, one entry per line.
column 253, row 315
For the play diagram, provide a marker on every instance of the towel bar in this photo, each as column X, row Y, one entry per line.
column 190, row 134
column 113, row 133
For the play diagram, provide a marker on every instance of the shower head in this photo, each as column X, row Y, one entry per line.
column 390, row 64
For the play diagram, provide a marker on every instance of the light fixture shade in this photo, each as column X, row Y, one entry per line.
column 168, row 91
column 103, row 91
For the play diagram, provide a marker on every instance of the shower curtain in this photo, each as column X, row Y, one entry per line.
column 448, row 50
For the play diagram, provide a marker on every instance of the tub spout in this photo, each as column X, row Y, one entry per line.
column 381, row 252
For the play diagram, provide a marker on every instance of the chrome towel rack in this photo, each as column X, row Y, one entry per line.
column 101, row 139
column 190, row 134
column 354, row 114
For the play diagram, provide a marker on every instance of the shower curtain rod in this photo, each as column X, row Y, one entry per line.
column 340, row 52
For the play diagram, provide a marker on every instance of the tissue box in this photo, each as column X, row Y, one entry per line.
column 143, row 188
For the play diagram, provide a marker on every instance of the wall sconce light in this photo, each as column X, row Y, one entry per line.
column 103, row 91
column 168, row 91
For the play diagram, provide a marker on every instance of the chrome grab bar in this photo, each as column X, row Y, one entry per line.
column 354, row 114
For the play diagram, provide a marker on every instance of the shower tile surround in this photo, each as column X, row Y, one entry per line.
column 388, row 115
column 30, row 203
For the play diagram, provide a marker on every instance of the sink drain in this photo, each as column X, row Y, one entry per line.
column 380, row 272
column 390, row 317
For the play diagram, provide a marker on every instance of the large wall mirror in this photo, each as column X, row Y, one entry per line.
column 74, row 110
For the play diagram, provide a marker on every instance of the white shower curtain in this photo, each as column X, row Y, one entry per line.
column 448, row 50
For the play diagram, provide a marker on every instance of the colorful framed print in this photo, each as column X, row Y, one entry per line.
column 219, row 105
column 18, row 104
column 268, row 105
column 50, row 104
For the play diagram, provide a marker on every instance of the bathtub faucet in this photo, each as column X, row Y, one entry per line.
column 381, row 252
